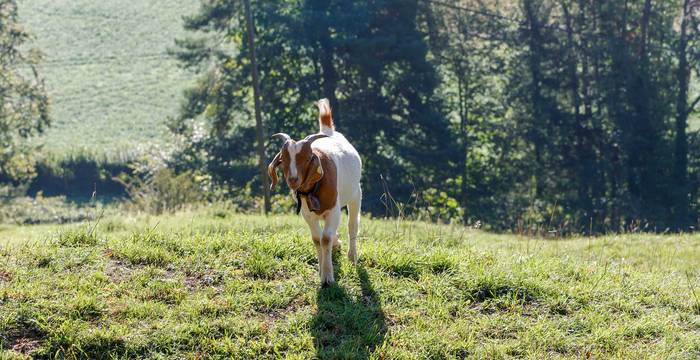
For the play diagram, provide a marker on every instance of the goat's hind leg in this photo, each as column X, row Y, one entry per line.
column 353, row 228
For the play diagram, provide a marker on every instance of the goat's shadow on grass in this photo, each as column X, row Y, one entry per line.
column 345, row 327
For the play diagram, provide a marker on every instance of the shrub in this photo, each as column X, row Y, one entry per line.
column 79, row 175
column 435, row 205
column 163, row 191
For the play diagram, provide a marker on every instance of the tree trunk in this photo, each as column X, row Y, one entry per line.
column 256, row 99
column 645, row 132
column 680, row 166
column 582, row 147
column 463, row 121
column 535, row 51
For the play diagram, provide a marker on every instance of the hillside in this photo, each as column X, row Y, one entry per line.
column 212, row 283
column 111, row 83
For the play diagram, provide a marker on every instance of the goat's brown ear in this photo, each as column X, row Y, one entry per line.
column 272, row 169
column 314, row 173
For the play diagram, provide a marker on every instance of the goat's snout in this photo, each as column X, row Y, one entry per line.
column 293, row 182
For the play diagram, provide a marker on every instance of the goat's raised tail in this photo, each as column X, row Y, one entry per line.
column 325, row 117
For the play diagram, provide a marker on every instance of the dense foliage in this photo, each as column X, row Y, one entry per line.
column 388, row 105
column 569, row 114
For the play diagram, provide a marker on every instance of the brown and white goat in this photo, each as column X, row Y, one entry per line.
column 324, row 171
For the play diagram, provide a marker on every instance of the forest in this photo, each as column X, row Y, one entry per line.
column 508, row 113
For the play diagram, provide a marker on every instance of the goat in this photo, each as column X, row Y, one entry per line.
column 323, row 169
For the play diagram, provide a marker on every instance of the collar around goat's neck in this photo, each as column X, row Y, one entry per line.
column 313, row 192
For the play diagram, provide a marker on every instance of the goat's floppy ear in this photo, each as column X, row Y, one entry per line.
column 315, row 172
column 272, row 169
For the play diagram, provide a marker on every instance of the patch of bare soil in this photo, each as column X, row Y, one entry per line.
column 116, row 270
column 271, row 317
column 24, row 341
column 5, row 276
column 205, row 279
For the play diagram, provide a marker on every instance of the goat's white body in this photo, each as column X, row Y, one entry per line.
column 349, row 171
column 348, row 165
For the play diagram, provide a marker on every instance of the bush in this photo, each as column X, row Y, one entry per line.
column 163, row 190
column 18, row 168
column 283, row 203
column 79, row 175
column 437, row 206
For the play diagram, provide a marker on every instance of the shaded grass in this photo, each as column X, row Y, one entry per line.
column 198, row 284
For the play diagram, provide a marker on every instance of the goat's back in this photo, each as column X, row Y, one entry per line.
column 347, row 162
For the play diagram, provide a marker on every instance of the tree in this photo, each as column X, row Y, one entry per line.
column 214, row 121
column 23, row 99
column 250, row 28
column 372, row 58
column 467, row 49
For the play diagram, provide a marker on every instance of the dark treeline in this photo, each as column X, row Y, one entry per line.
column 571, row 113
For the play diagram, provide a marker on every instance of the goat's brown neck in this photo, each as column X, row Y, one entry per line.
column 325, row 190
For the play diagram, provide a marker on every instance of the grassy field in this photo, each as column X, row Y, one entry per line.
column 212, row 283
column 111, row 83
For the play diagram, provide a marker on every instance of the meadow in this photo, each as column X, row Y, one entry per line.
column 212, row 283
column 111, row 81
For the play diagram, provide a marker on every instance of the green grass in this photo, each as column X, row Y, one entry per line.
column 110, row 81
column 210, row 283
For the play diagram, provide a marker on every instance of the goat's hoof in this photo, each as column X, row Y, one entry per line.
column 352, row 257
column 327, row 280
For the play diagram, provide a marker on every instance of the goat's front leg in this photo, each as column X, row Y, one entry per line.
column 330, row 230
column 316, row 234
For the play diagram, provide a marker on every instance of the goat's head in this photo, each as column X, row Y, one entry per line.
column 301, row 167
